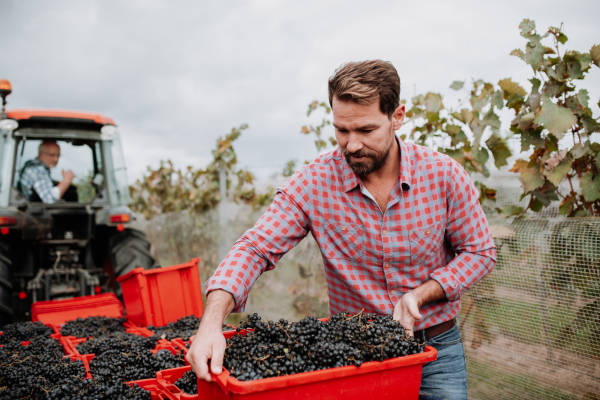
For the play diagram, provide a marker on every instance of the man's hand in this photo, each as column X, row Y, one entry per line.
column 407, row 311
column 209, row 342
column 68, row 176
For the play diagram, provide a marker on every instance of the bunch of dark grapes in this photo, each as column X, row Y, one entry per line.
column 22, row 331
column 32, row 371
column 188, row 383
column 281, row 348
column 38, row 346
column 182, row 328
column 134, row 364
column 92, row 326
column 97, row 389
column 120, row 341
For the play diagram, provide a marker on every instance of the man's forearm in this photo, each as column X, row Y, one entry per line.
column 429, row 292
column 63, row 186
column 219, row 304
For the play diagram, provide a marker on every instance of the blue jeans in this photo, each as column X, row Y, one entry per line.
column 446, row 377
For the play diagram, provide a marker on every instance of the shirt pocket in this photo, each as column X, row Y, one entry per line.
column 344, row 241
column 425, row 243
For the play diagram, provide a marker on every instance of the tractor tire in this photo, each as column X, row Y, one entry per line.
column 128, row 250
column 5, row 285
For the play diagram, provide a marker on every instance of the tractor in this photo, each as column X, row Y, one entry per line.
column 79, row 244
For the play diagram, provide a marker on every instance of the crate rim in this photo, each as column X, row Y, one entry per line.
column 231, row 384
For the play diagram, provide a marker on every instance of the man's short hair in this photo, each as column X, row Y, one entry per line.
column 45, row 144
column 364, row 82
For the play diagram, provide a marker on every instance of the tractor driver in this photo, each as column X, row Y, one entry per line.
column 399, row 226
column 35, row 182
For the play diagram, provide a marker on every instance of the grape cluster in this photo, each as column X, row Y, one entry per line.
column 22, row 331
column 134, row 364
column 281, row 348
column 182, row 328
column 120, row 341
column 188, row 383
column 33, row 371
column 98, row 389
column 92, row 326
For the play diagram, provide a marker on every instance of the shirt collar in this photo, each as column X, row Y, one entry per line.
column 351, row 180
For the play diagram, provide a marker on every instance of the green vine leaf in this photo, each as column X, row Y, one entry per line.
column 590, row 186
column 457, row 85
column 491, row 119
column 499, row 149
column 583, row 97
column 557, row 119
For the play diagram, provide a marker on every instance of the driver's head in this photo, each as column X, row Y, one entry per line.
column 49, row 153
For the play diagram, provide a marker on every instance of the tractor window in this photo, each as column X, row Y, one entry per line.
column 6, row 147
column 77, row 156
column 117, row 172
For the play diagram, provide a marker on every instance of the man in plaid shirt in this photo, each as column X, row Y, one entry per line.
column 399, row 226
column 35, row 182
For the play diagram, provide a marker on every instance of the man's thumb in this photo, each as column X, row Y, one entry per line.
column 414, row 311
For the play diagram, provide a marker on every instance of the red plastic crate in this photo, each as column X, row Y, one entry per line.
column 57, row 312
column 150, row 385
column 395, row 378
column 162, row 295
column 166, row 381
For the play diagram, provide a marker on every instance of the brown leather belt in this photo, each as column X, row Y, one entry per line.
column 435, row 330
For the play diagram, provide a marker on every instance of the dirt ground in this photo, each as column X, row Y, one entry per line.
column 572, row 374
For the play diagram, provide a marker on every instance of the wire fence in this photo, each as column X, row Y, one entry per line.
column 531, row 329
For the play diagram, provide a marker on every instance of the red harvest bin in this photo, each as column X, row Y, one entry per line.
column 396, row 378
column 57, row 312
column 162, row 295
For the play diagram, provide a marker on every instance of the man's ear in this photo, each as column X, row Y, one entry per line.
column 398, row 116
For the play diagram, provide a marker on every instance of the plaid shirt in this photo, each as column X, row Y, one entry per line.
column 36, row 176
column 433, row 228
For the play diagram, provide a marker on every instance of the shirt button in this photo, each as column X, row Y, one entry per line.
column 343, row 228
column 393, row 292
column 384, row 232
column 386, row 265
column 428, row 231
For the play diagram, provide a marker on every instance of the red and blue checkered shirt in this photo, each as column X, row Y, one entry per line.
column 433, row 228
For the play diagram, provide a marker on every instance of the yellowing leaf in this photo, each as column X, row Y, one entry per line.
column 595, row 54
column 558, row 170
column 467, row 115
column 509, row 88
column 557, row 119
column 531, row 177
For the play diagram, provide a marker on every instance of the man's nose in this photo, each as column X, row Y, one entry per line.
column 354, row 143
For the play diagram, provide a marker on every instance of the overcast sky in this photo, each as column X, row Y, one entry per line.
column 175, row 75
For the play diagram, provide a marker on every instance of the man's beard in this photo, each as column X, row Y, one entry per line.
column 373, row 163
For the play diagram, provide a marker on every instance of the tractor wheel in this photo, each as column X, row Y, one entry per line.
column 5, row 285
column 128, row 250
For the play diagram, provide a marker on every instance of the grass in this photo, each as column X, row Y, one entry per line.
column 486, row 382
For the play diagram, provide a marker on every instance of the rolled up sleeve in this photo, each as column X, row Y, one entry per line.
column 281, row 227
column 468, row 233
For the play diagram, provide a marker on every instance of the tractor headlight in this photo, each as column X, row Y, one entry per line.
column 8, row 124
column 108, row 130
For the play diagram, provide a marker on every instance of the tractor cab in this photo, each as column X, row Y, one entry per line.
column 59, row 243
